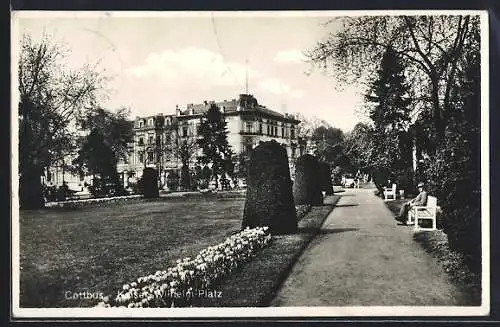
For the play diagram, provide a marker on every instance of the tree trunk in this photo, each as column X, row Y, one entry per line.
column 437, row 112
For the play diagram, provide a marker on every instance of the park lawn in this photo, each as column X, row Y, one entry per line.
column 66, row 251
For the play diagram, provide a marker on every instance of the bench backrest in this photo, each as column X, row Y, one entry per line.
column 431, row 201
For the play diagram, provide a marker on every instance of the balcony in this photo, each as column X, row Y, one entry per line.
column 242, row 132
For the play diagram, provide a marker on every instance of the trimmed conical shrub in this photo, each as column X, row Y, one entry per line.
column 150, row 183
column 326, row 178
column 308, row 185
column 269, row 198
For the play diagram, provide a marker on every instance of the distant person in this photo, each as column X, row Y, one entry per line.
column 419, row 200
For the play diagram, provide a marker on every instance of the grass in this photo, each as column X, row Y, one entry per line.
column 256, row 284
column 98, row 249
column 436, row 243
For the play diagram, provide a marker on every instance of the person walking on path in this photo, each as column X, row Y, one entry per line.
column 419, row 200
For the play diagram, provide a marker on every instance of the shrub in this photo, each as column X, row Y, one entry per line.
column 326, row 178
column 337, row 175
column 269, row 198
column 302, row 210
column 380, row 177
column 31, row 190
column 150, row 183
column 308, row 185
column 173, row 181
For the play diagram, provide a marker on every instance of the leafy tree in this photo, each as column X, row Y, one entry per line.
column 327, row 143
column 213, row 142
column 455, row 171
column 358, row 147
column 390, row 113
column 305, row 129
column 51, row 96
column 105, row 145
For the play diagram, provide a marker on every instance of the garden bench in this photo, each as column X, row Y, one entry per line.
column 390, row 192
column 423, row 213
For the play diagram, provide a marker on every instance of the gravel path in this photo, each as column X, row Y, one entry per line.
column 362, row 257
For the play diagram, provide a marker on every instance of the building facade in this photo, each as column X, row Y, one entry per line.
column 248, row 123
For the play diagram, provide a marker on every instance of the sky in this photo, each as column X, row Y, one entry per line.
column 163, row 60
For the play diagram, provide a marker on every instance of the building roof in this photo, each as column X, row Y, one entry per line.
column 246, row 102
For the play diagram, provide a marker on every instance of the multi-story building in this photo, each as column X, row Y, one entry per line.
column 248, row 123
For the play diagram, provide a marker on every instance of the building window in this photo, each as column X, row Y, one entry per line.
column 141, row 141
column 141, row 124
column 282, row 132
column 150, row 122
column 248, row 127
column 268, row 130
column 141, row 157
column 150, row 139
column 292, row 132
column 275, row 130
column 293, row 152
column 260, row 128
column 150, row 157
column 184, row 131
column 158, row 140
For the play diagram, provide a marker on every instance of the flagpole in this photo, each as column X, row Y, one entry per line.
column 246, row 77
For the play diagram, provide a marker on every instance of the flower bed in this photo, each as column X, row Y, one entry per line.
column 302, row 210
column 191, row 279
column 81, row 203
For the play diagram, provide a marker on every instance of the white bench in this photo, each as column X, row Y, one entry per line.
column 419, row 213
column 390, row 192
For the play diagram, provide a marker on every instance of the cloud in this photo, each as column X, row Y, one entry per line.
column 196, row 67
column 292, row 56
column 192, row 64
column 276, row 86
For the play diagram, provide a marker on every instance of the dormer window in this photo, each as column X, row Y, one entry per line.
column 141, row 124
column 150, row 121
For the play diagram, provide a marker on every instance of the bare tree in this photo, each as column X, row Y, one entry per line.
column 179, row 147
column 433, row 46
column 51, row 97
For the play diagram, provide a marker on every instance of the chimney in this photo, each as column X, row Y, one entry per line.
column 191, row 111
column 205, row 102
column 177, row 110
column 222, row 109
